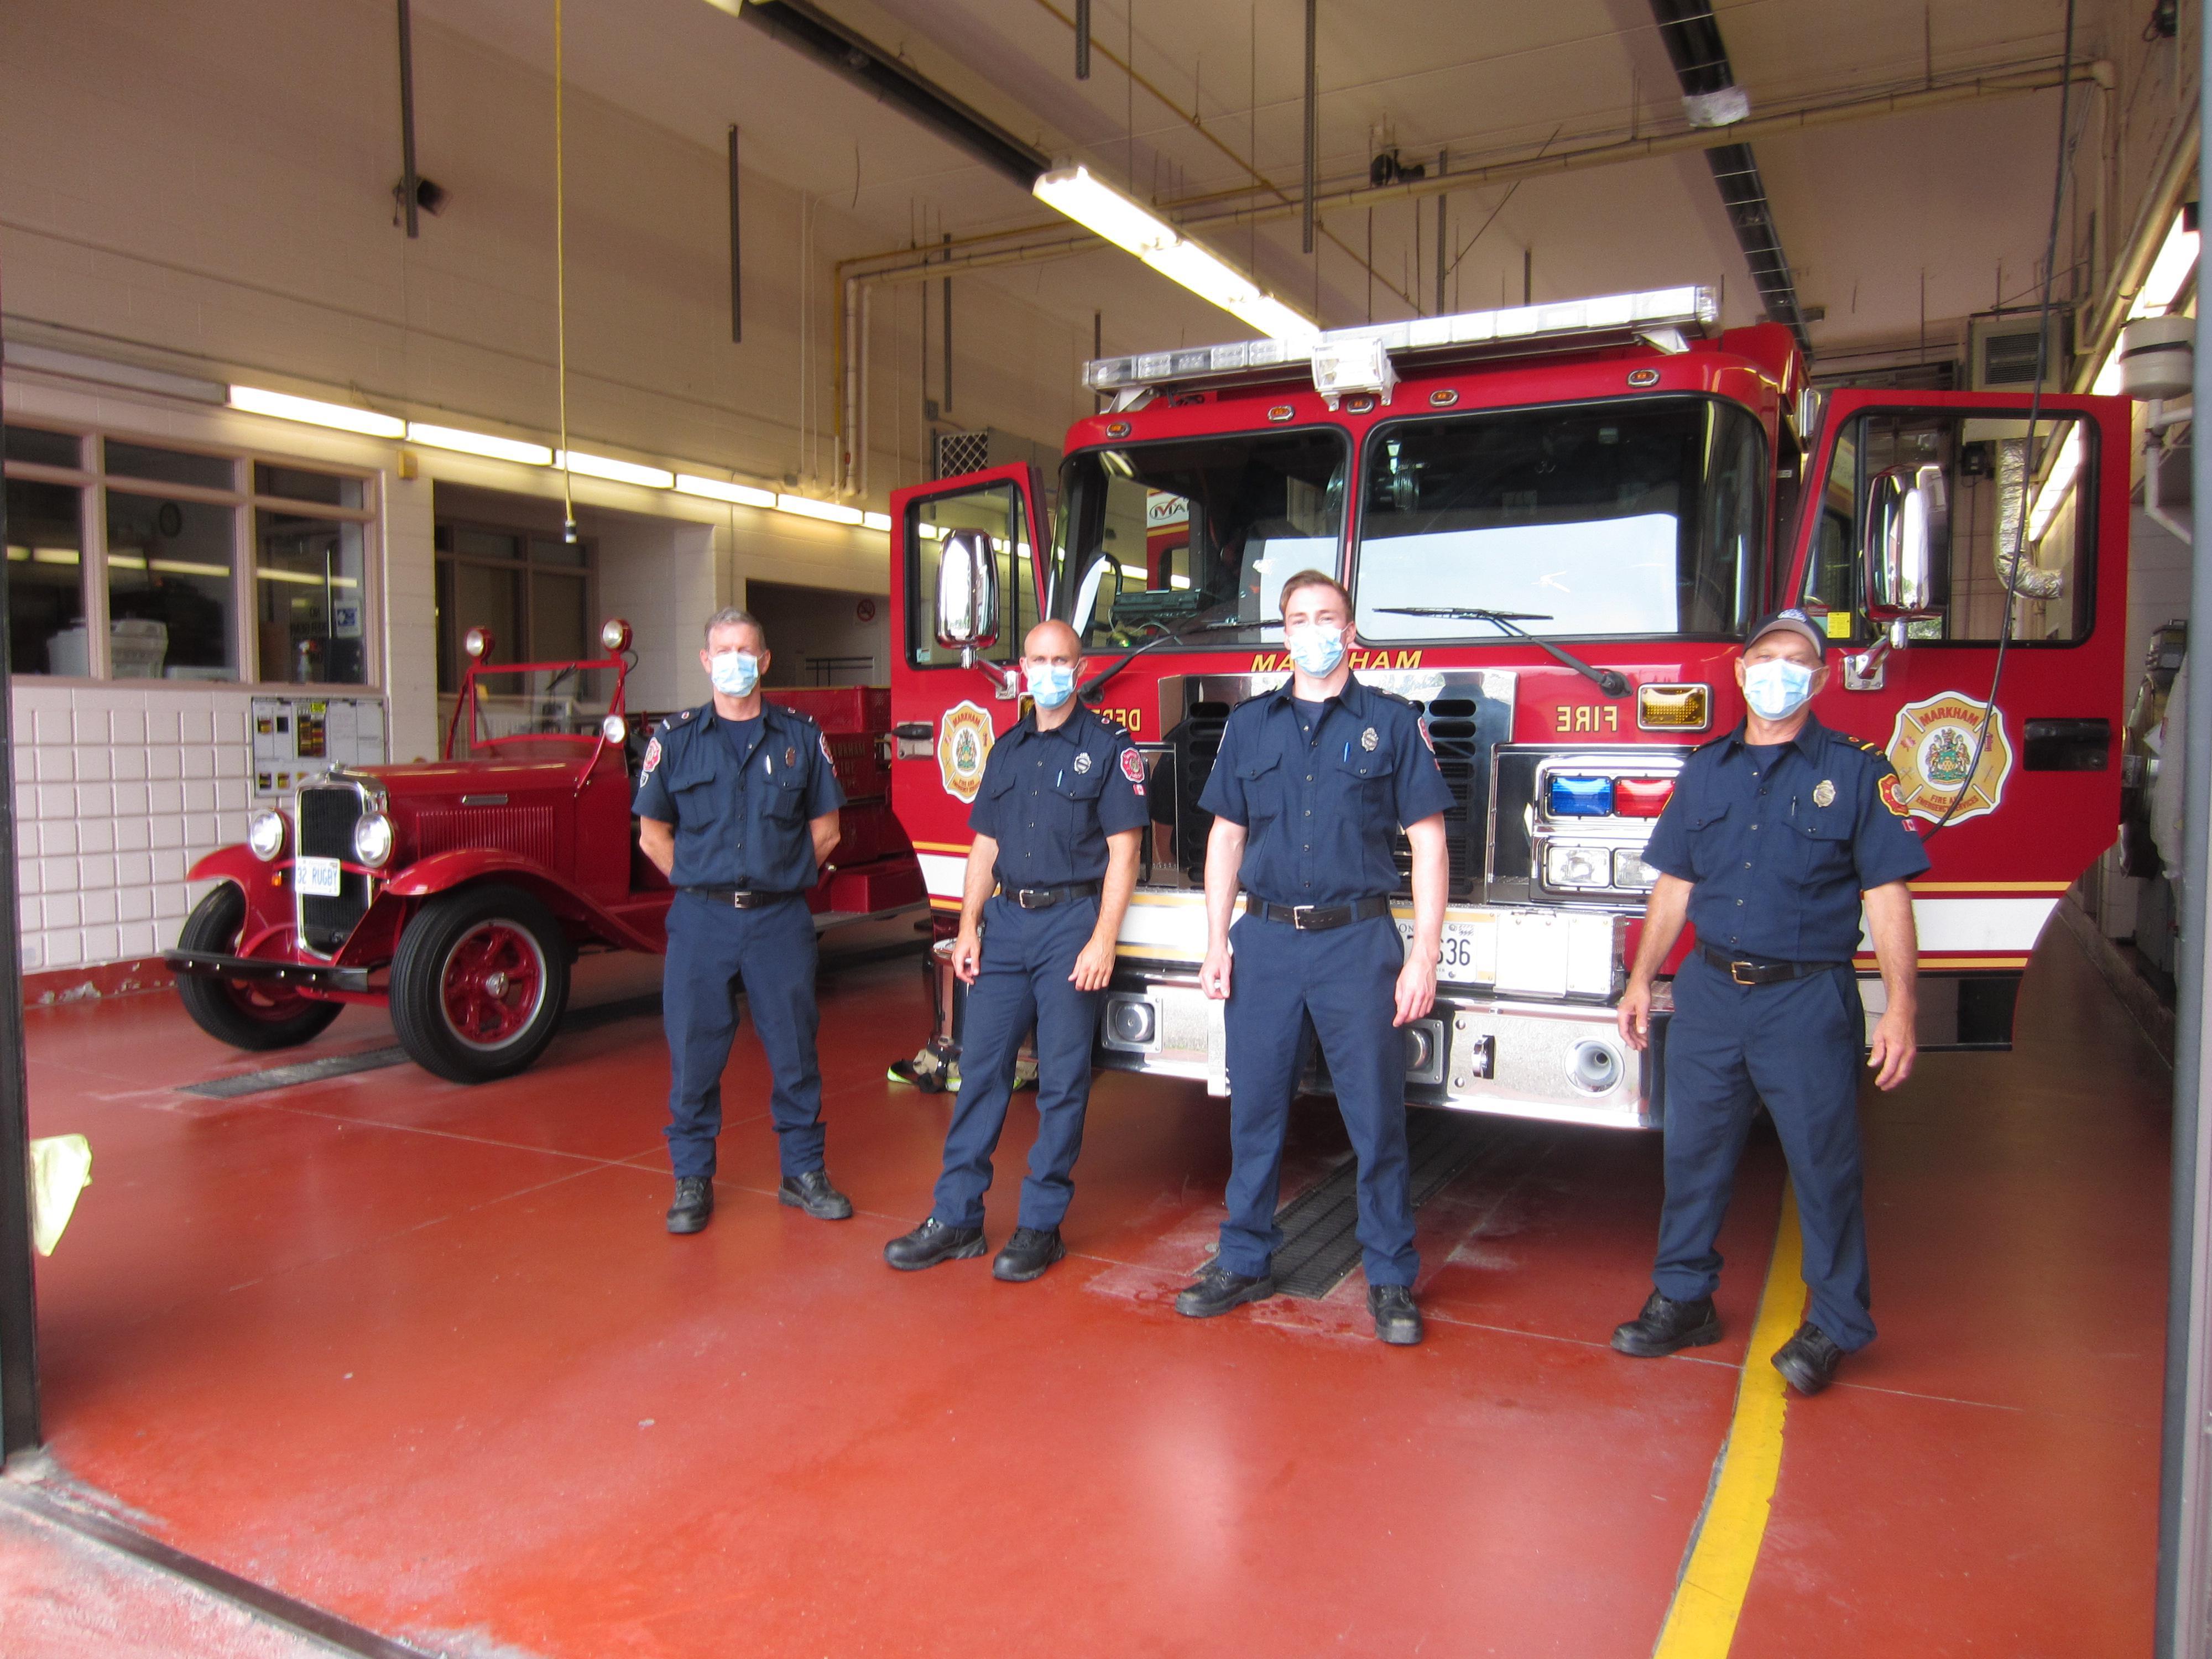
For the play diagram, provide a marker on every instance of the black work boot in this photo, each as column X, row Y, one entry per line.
column 1218, row 1291
column 1807, row 1361
column 1028, row 1254
column 932, row 1242
column 1665, row 1326
column 1397, row 1321
column 813, row 1194
column 695, row 1203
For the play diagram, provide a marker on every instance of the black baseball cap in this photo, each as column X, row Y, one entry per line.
column 1792, row 621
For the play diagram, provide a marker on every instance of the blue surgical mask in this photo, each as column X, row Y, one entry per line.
column 736, row 672
column 1315, row 647
column 1051, row 684
column 1777, row 688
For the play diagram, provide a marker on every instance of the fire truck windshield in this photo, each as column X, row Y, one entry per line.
column 1603, row 519
column 1157, row 535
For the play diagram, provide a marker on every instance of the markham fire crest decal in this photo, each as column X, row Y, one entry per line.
column 963, row 744
column 1932, row 745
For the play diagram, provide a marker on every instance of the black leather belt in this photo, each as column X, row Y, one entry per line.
column 1043, row 898
column 1764, row 973
column 742, row 898
column 1318, row 918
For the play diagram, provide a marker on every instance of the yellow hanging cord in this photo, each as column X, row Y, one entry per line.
column 561, row 281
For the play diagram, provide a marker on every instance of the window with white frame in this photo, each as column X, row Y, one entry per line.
column 133, row 559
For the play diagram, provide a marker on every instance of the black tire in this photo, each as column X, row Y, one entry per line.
column 479, row 983
column 255, row 1014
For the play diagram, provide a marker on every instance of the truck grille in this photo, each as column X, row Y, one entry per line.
column 1464, row 729
column 327, row 814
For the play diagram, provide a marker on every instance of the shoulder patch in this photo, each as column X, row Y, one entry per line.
column 823, row 738
column 1133, row 767
column 1892, row 794
column 652, row 757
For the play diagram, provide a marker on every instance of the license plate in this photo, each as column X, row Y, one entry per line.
column 1458, row 957
column 318, row 878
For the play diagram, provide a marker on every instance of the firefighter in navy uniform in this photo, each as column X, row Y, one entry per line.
column 1058, row 821
column 1774, row 836
column 1308, row 789
column 737, row 803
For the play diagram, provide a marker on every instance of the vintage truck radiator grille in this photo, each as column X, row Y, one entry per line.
column 327, row 814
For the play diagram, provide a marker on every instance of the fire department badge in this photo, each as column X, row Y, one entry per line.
column 1133, row 767
column 652, row 756
column 791, row 760
column 963, row 744
column 1083, row 762
column 1892, row 797
column 1932, row 747
column 1367, row 739
column 1824, row 793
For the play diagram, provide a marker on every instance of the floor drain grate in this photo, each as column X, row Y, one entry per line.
column 1319, row 1243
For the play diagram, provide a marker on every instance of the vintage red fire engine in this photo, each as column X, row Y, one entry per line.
column 1556, row 522
column 458, row 891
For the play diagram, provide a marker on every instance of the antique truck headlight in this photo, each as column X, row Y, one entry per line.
column 372, row 840
column 266, row 835
column 614, row 729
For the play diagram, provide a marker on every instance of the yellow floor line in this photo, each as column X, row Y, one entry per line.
column 1701, row 1622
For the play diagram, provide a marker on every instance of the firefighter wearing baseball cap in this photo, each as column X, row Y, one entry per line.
column 1776, row 836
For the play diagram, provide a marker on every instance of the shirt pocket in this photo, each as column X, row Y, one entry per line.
column 1824, row 836
column 1366, row 776
column 1705, row 827
column 1081, row 783
column 694, row 795
column 1261, row 780
column 786, row 795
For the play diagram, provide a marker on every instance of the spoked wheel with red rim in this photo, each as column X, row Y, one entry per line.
column 479, row 983
column 246, row 1013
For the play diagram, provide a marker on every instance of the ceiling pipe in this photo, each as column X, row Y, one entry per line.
column 807, row 29
column 1711, row 98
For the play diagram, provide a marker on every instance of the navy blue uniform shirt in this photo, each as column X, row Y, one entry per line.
column 740, row 795
column 1781, row 848
column 1319, row 809
column 1050, row 799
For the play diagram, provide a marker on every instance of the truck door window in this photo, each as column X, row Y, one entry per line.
column 996, row 510
column 1156, row 535
column 2004, row 499
column 1607, row 519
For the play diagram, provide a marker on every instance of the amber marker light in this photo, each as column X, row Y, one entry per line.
column 1673, row 707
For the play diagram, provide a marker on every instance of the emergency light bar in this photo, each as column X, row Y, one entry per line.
column 1662, row 316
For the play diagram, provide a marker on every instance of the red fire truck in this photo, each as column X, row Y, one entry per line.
column 457, row 891
column 1556, row 522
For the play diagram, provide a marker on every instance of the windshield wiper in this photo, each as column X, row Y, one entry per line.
column 1205, row 621
column 1608, row 680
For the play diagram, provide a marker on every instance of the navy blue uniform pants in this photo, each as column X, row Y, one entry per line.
column 711, row 949
column 1027, row 957
column 1343, row 982
column 1797, row 1046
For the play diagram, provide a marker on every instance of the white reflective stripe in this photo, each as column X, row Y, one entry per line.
column 1171, row 928
column 943, row 876
column 1955, row 926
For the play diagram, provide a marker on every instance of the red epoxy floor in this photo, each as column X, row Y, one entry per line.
column 423, row 1355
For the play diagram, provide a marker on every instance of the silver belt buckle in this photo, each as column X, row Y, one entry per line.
column 1299, row 913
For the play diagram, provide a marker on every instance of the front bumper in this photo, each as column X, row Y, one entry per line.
column 309, row 975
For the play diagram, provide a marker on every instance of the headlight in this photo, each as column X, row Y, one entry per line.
column 372, row 840
column 613, row 729
column 1631, row 872
column 266, row 835
column 1577, row 867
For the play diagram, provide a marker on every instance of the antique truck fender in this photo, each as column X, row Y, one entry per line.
column 441, row 872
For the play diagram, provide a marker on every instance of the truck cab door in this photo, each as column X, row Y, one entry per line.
column 1931, row 525
column 945, row 715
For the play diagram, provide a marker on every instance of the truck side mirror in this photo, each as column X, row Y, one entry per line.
column 1906, row 540
column 967, row 593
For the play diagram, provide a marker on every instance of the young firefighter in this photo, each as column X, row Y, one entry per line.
column 1310, row 786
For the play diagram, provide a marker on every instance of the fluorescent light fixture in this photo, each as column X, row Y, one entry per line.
column 875, row 521
column 605, row 467
column 2058, row 485
column 808, row 509
column 1098, row 207
column 690, row 484
column 55, row 555
column 305, row 578
column 255, row 400
column 187, row 567
column 2177, row 258
column 478, row 443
